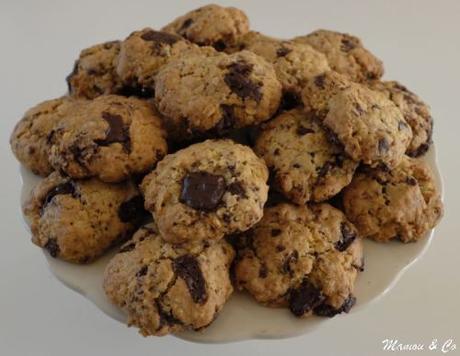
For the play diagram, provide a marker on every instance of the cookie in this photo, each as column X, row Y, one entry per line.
column 306, row 165
column 402, row 204
column 206, row 191
column 77, row 220
column 370, row 127
column 30, row 139
column 94, row 72
column 319, row 89
column 167, row 288
column 211, row 25
column 143, row 53
column 304, row 258
column 346, row 54
column 205, row 92
column 111, row 137
column 294, row 63
column 416, row 113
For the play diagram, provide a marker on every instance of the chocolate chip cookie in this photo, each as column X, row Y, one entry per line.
column 346, row 54
column 30, row 140
column 211, row 25
column 306, row 258
column 77, row 220
column 143, row 53
column 294, row 63
column 203, row 92
column 401, row 204
column 111, row 137
column 206, row 190
column 370, row 127
column 94, row 71
column 416, row 113
column 167, row 288
column 306, row 165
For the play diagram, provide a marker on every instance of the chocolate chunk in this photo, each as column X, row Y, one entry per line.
column 324, row 169
column 132, row 210
column 291, row 258
column 142, row 271
column 348, row 236
column 280, row 248
column 227, row 121
column 330, row 311
column 283, row 51
column 127, row 248
column 220, row 45
column 188, row 268
column 166, row 318
column 263, row 271
column 61, row 189
column 411, row 181
column 275, row 232
column 305, row 298
column 237, row 189
column 52, row 247
column 237, row 79
column 202, row 190
column 347, row 44
column 185, row 25
column 383, row 145
column 116, row 133
column 302, row 130
column 160, row 37
column 320, row 81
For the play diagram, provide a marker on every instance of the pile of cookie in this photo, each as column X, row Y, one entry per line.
column 263, row 163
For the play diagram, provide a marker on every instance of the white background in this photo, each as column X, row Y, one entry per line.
column 39, row 40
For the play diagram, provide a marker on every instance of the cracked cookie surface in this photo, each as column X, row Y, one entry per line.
column 30, row 139
column 94, row 72
column 214, row 92
column 167, row 288
column 370, row 127
column 305, row 164
column 306, row 258
column 401, row 204
column 416, row 113
column 211, row 25
column 142, row 55
column 111, row 137
column 206, row 190
column 346, row 54
column 294, row 63
column 77, row 220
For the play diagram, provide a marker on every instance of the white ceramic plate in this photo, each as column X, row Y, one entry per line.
column 241, row 318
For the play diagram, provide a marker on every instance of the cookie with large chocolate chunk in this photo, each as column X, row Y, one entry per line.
column 77, row 220
column 306, row 165
column 206, row 191
column 401, row 204
column 168, row 288
column 416, row 113
column 212, row 92
column 111, row 137
column 304, row 258
column 211, row 25
column 346, row 54
column 94, row 72
column 32, row 135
